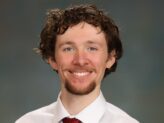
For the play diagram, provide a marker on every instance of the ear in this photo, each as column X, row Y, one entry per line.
column 111, row 59
column 53, row 63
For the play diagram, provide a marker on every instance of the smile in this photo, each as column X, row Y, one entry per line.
column 81, row 74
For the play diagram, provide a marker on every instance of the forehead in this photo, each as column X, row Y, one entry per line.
column 82, row 32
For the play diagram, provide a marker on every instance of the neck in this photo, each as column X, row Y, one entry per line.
column 76, row 103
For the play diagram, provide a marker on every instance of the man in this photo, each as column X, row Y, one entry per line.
column 82, row 45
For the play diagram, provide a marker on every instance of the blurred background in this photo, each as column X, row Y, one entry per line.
column 28, row 83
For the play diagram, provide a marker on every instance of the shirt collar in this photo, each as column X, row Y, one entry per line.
column 59, row 112
column 93, row 112
column 96, row 108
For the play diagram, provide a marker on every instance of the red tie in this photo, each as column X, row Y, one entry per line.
column 71, row 120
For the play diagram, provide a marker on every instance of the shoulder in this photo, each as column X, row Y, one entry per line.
column 118, row 115
column 38, row 115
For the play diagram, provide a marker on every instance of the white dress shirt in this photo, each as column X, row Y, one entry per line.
column 98, row 111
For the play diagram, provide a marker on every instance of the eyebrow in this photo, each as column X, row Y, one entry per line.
column 66, row 43
column 72, row 43
column 93, row 42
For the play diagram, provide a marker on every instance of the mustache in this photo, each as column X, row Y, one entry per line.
column 80, row 69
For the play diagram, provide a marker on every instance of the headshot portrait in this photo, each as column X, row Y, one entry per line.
column 81, row 61
column 82, row 44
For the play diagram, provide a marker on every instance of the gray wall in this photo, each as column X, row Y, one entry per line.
column 27, row 83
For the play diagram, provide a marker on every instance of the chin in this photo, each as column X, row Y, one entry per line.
column 80, row 91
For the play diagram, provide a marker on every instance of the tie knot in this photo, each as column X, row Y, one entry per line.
column 71, row 120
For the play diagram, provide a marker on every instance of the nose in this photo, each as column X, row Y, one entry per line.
column 80, row 58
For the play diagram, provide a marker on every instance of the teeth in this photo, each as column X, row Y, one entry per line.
column 81, row 73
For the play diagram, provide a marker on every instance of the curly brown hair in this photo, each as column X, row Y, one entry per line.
column 58, row 21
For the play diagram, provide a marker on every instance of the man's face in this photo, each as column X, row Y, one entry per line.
column 81, row 58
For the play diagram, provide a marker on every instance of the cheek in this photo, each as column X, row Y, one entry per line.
column 100, row 60
column 63, row 61
column 100, row 63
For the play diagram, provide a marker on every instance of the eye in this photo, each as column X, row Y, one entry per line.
column 68, row 49
column 92, row 48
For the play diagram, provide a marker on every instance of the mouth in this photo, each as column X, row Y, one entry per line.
column 80, row 73
column 79, row 76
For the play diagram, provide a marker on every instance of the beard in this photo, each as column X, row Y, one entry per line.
column 76, row 91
